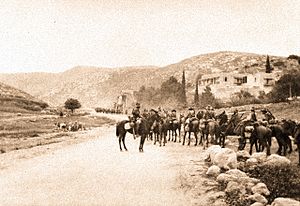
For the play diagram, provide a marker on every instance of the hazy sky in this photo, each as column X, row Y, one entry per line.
column 55, row 35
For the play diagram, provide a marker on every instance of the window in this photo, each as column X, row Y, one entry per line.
column 225, row 79
column 244, row 79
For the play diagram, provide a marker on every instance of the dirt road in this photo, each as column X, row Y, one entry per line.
column 97, row 173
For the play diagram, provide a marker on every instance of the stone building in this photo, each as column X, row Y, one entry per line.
column 223, row 85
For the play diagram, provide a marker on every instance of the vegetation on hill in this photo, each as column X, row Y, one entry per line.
column 14, row 100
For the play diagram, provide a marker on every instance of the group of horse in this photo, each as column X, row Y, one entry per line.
column 69, row 126
column 160, row 128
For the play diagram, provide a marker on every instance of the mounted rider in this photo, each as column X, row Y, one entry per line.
column 191, row 116
column 209, row 114
column 247, row 126
column 268, row 116
column 173, row 116
column 136, row 114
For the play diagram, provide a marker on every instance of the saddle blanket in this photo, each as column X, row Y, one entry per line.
column 127, row 126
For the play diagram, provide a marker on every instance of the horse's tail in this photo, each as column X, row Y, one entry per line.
column 118, row 129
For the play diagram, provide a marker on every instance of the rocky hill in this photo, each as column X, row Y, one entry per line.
column 100, row 86
column 15, row 100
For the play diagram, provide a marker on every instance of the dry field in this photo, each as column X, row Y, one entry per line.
column 27, row 130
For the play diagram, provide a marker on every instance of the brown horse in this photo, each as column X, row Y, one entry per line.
column 191, row 127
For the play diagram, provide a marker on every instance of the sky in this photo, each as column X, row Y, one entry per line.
column 56, row 35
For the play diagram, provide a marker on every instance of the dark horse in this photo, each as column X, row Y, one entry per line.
column 126, row 126
column 191, row 127
column 174, row 125
column 296, row 135
column 215, row 129
column 262, row 135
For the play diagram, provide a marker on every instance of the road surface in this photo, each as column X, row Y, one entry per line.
column 97, row 173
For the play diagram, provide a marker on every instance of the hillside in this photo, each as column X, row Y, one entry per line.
column 95, row 86
column 15, row 100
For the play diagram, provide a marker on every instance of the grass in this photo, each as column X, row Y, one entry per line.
column 34, row 129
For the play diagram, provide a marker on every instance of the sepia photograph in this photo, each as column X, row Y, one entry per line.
column 150, row 102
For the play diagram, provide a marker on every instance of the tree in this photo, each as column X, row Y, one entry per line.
column 183, row 91
column 207, row 97
column 287, row 86
column 72, row 104
column 196, row 97
column 268, row 65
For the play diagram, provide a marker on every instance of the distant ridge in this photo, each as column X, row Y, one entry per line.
column 95, row 86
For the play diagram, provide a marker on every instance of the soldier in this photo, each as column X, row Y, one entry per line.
column 209, row 113
column 268, row 116
column 173, row 115
column 136, row 114
column 145, row 114
column 190, row 116
column 235, row 117
column 252, row 118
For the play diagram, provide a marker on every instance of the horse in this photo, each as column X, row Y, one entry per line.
column 189, row 127
column 262, row 135
column 174, row 125
column 215, row 129
column 163, row 126
column 127, row 126
column 296, row 136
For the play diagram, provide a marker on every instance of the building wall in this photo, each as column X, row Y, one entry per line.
column 223, row 85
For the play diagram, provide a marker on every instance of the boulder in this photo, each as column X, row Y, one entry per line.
column 258, row 198
column 242, row 155
column 236, row 173
column 217, row 195
column 225, row 159
column 225, row 178
column 237, row 176
column 261, row 188
column 251, row 162
column 219, row 202
column 277, row 160
column 234, row 187
column 213, row 171
column 257, row 204
column 212, row 151
column 259, row 156
column 280, row 201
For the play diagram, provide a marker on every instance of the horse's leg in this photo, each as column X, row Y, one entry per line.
column 120, row 139
column 183, row 140
column 289, row 142
column 165, row 139
column 143, row 137
column 189, row 138
column 298, row 148
column 123, row 140
column 196, row 137
column 179, row 134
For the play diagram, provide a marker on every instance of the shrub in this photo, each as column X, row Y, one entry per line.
column 282, row 181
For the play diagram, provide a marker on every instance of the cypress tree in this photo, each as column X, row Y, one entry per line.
column 268, row 65
column 196, row 97
column 183, row 96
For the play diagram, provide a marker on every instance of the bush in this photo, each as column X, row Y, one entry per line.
column 282, row 181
